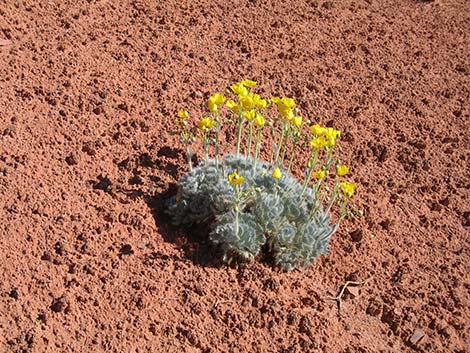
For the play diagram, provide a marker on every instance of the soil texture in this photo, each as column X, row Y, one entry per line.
column 88, row 95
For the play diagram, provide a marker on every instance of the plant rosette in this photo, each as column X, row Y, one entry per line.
column 250, row 205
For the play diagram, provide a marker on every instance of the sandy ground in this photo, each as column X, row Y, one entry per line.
column 88, row 94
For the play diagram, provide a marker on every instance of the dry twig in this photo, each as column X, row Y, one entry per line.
column 168, row 298
column 338, row 299
column 218, row 302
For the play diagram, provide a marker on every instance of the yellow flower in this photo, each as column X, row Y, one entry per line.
column 319, row 174
column 348, row 188
column 275, row 100
column 284, row 105
column 235, row 178
column 259, row 120
column 218, row 98
column 183, row 114
column 215, row 100
column 260, row 103
column 297, row 121
column 205, row 124
column 289, row 114
column 212, row 106
column 318, row 142
column 331, row 136
column 277, row 174
column 231, row 104
column 249, row 114
column 288, row 102
column 317, row 129
column 239, row 89
column 247, row 102
column 248, row 83
column 342, row 170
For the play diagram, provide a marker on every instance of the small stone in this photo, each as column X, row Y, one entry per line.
column 352, row 277
column 271, row 284
column 103, row 183
column 385, row 224
column 98, row 110
column 136, row 180
column 356, row 235
column 292, row 318
column 382, row 156
column 305, row 326
column 123, row 107
column 444, row 201
column 46, row 256
column 417, row 336
column 59, row 304
column 126, row 250
column 13, row 293
column 71, row 159
column 42, row 317
column 307, row 301
column 392, row 317
column 354, row 291
column 10, row 131
column 153, row 329
column 59, row 248
column 89, row 148
column 374, row 309
column 199, row 289
column 140, row 303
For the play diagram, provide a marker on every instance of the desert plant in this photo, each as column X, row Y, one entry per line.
column 249, row 204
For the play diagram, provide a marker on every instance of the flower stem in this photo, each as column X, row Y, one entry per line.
column 310, row 169
column 332, row 200
column 283, row 153
column 239, row 133
column 216, row 140
column 237, row 208
column 291, row 159
column 342, row 209
column 216, row 154
column 283, row 156
column 257, row 147
column 281, row 139
column 206, row 147
column 273, row 150
column 189, row 155
column 249, row 139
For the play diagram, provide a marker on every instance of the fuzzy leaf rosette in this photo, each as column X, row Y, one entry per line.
column 249, row 205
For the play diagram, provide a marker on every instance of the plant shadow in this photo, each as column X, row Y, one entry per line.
column 192, row 240
column 146, row 172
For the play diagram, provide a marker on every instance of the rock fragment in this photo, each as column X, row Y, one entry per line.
column 356, row 235
column 71, row 159
column 417, row 336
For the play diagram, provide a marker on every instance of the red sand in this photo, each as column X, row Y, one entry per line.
column 89, row 90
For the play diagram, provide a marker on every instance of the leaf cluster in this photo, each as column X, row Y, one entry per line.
column 279, row 215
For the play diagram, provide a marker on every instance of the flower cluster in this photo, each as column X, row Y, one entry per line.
column 235, row 178
column 237, row 185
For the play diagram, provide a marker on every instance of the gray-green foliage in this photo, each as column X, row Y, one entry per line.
column 277, row 213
